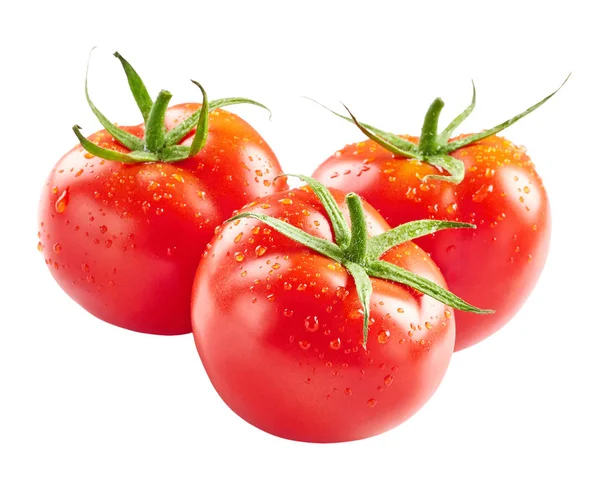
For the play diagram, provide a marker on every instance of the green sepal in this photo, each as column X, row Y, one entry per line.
column 175, row 153
column 452, row 126
column 137, row 87
column 397, row 141
column 384, row 141
column 322, row 246
column 125, row 138
column 388, row 271
column 459, row 143
column 364, row 289
column 453, row 166
column 382, row 243
column 113, row 155
column 176, row 134
column 202, row 129
column 341, row 231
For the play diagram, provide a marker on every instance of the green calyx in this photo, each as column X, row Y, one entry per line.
column 360, row 254
column 435, row 147
column 158, row 144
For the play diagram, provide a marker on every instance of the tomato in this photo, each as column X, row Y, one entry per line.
column 124, row 239
column 495, row 266
column 280, row 327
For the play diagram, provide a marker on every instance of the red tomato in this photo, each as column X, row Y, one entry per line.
column 495, row 266
column 124, row 240
column 279, row 328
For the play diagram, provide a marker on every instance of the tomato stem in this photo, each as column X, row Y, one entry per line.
column 155, row 128
column 356, row 252
column 428, row 143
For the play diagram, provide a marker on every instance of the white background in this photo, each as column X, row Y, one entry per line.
column 87, row 408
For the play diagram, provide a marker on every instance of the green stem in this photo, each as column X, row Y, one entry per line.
column 155, row 128
column 428, row 143
column 357, row 249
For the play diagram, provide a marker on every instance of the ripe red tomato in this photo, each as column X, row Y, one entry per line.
column 124, row 239
column 495, row 266
column 279, row 327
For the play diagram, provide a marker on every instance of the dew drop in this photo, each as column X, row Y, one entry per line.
column 288, row 312
column 85, row 267
column 40, row 247
column 62, row 202
column 428, row 325
column 238, row 237
column 103, row 229
column 335, row 344
column 371, row 402
column 57, row 248
column 311, row 323
column 388, row 380
column 348, row 391
column 383, row 336
column 108, row 243
column 239, row 257
column 304, row 345
column 260, row 250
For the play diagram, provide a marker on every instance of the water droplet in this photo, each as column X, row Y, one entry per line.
column 400, row 310
column 287, row 286
column 450, row 248
column 383, row 336
column 447, row 313
column 40, row 247
column 428, row 325
column 103, row 229
column 57, row 248
column 526, row 190
column 286, row 201
column 62, row 201
column 271, row 297
column 348, row 391
column 388, row 380
column 55, row 190
column 529, row 258
column 238, row 237
column 311, row 323
column 177, row 177
column 159, row 211
column 451, row 208
column 79, row 172
column 85, row 267
column 260, row 250
column 108, row 243
column 301, row 287
column 335, row 344
column 371, row 402
column 239, row 257
column 534, row 226
column 304, row 345
column 341, row 292
column 288, row 312
column 482, row 193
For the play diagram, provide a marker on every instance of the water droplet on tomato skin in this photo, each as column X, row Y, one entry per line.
column 260, row 250
column 57, row 248
column 335, row 344
column 383, row 336
column 388, row 380
column 304, row 345
column 40, row 247
column 348, row 391
column 239, row 257
column 311, row 323
column 371, row 402
column 62, row 202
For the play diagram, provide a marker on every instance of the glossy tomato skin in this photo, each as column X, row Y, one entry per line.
column 279, row 330
column 124, row 241
column 495, row 266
